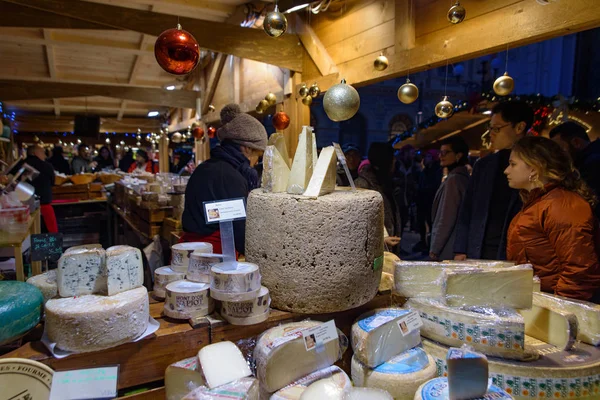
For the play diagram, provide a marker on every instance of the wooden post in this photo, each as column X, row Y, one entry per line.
column 163, row 153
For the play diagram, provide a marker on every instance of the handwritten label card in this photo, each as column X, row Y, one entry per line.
column 85, row 384
column 46, row 246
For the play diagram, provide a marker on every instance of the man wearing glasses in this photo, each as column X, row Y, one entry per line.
column 490, row 204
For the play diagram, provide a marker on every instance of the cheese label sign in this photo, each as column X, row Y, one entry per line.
column 46, row 246
column 409, row 323
column 316, row 337
column 224, row 210
column 90, row 383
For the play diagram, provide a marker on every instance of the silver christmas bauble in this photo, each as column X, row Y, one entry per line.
column 303, row 92
column 408, row 93
column 504, row 85
column 341, row 102
column 457, row 13
column 177, row 137
column 275, row 23
column 314, row 91
column 444, row 109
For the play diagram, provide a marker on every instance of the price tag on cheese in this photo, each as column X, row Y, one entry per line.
column 90, row 383
column 409, row 323
column 316, row 337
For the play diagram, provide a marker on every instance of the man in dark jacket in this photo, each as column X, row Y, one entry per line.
column 574, row 139
column 36, row 157
column 489, row 204
column 58, row 161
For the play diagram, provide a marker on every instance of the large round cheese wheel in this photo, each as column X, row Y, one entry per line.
column 92, row 323
column 21, row 378
column 317, row 255
column 437, row 389
column 20, row 309
column 46, row 282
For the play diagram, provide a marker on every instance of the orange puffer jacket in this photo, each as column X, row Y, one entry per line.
column 557, row 232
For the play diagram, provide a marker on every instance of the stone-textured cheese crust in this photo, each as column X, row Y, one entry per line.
column 92, row 323
column 316, row 255
column 46, row 282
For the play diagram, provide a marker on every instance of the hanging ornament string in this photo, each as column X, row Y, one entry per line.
column 504, row 85
column 408, row 93
column 446, row 83
column 410, row 16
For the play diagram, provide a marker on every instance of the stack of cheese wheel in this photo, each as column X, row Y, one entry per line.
column 238, row 286
column 185, row 299
column 162, row 277
column 200, row 264
column 181, row 253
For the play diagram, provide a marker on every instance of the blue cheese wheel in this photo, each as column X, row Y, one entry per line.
column 21, row 306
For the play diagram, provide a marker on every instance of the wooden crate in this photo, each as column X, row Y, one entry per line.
column 147, row 228
column 152, row 216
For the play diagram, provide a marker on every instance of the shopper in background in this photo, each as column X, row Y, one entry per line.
column 430, row 179
column 353, row 160
column 126, row 160
column 82, row 161
column 489, row 203
column 454, row 155
column 104, row 159
column 556, row 230
column 143, row 163
column 573, row 138
column 228, row 174
column 58, row 161
column 378, row 176
column 36, row 157
column 405, row 177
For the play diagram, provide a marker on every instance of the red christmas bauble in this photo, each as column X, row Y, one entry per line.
column 281, row 121
column 211, row 132
column 177, row 51
column 198, row 132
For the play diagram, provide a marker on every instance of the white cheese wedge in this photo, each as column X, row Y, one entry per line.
column 315, row 154
column 421, row 279
column 162, row 277
column 222, row 363
column 376, row 336
column 324, row 175
column 278, row 140
column 467, row 374
column 242, row 389
column 46, row 282
column 437, row 389
column 367, row 394
column 182, row 377
column 302, row 167
column 551, row 325
column 187, row 299
column 537, row 284
column 125, row 269
column 82, row 272
column 294, row 390
column 276, row 172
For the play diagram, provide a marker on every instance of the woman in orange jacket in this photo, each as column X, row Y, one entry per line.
column 556, row 230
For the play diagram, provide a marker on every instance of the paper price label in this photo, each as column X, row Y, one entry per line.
column 224, row 210
column 79, row 384
column 409, row 323
column 316, row 337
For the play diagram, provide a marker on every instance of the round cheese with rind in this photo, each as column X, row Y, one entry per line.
column 256, row 319
column 91, row 323
column 162, row 277
column 200, row 265
column 248, row 308
column 46, row 283
column 324, row 389
column 437, row 389
column 181, row 253
column 185, row 299
column 294, row 390
column 21, row 306
column 235, row 284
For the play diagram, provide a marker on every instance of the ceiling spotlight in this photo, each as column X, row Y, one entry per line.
column 153, row 114
column 170, row 87
column 296, row 8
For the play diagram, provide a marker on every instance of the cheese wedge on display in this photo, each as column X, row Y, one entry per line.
column 437, row 389
column 367, row 394
column 421, row 279
column 46, row 282
column 509, row 287
column 551, row 325
column 162, row 277
column 124, row 267
column 499, row 333
column 242, row 389
column 185, row 299
column 537, row 284
column 324, row 389
column 182, row 377
column 376, row 336
column 294, row 390
column 222, row 363
column 467, row 374
column 324, row 175
column 276, row 172
column 278, row 140
column 82, row 272
column 400, row 376
column 302, row 167
column 281, row 356
column 314, row 147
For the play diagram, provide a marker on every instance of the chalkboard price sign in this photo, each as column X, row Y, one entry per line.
column 46, row 246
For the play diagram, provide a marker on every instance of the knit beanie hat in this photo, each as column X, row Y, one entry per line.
column 241, row 128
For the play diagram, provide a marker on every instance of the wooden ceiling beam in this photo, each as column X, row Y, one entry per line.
column 404, row 25
column 14, row 15
column 315, row 48
column 28, row 90
column 65, row 124
column 51, row 68
column 252, row 44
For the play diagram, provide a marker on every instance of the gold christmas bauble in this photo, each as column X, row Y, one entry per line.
column 341, row 102
column 504, row 85
column 381, row 63
column 303, row 92
column 444, row 109
column 457, row 13
column 263, row 105
column 408, row 93
column 314, row 91
column 271, row 99
column 177, row 137
column 307, row 101
column 211, row 108
column 275, row 23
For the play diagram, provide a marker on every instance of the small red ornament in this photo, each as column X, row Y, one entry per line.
column 212, row 131
column 281, row 121
column 198, row 132
column 177, row 51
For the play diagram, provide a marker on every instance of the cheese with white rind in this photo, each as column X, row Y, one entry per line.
column 240, row 284
column 82, row 272
column 437, row 389
column 467, row 374
column 483, row 263
column 294, row 390
column 324, row 176
column 46, row 282
column 551, row 325
column 555, row 374
column 242, row 389
column 509, row 287
column 124, row 268
column 276, row 171
column 181, row 253
column 366, row 394
column 277, row 140
column 588, row 314
column 376, row 336
column 200, row 265
column 281, row 356
column 182, row 377
column 249, row 308
column 222, row 363
column 83, row 247
column 92, row 323
column 256, row 319
column 21, row 306
column 162, row 277
column 400, row 376
column 185, row 299
column 421, row 278
column 323, row 389
column 494, row 332
column 302, row 167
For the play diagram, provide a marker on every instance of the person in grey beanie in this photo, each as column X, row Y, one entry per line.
column 228, row 174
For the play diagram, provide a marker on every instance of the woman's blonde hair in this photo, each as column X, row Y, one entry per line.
column 553, row 164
